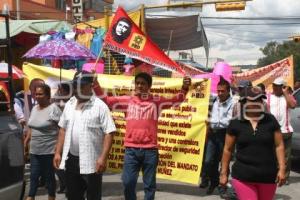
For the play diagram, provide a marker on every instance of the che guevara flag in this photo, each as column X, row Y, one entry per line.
column 126, row 38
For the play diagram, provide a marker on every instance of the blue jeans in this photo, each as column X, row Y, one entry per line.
column 41, row 165
column 213, row 155
column 134, row 160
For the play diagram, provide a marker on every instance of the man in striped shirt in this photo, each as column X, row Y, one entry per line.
column 280, row 102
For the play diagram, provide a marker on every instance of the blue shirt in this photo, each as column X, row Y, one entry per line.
column 221, row 113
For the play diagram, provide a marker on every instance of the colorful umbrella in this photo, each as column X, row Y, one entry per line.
column 17, row 73
column 60, row 49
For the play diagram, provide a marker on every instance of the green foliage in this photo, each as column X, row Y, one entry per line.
column 275, row 51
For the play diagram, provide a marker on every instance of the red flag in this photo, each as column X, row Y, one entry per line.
column 126, row 38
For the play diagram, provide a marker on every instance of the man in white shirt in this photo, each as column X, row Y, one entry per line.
column 85, row 139
column 280, row 103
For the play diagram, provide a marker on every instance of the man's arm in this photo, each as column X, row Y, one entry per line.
column 290, row 100
column 102, row 160
column 59, row 147
column 166, row 103
column 113, row 102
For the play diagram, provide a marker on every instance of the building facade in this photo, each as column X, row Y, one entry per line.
column 56, row 9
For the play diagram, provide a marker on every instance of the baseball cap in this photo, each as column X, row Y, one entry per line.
column 244, row 83
column 279, row 81
column 252, row 94
column 83, row 78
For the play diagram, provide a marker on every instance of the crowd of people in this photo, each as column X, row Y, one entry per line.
column 71, row 135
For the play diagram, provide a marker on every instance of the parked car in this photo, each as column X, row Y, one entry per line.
column 12, row 184
column 295, row 121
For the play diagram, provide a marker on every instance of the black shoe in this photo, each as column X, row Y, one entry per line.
column 287, row 182
column 211, row 189
column 41, row 184
column 204, row 184
column 229, row 194
column 222, row 192
column 61, row 190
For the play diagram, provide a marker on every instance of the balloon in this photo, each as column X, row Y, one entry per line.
column 220, row 69
column 223, row 69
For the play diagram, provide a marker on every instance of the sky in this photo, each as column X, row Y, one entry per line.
column 239, row 44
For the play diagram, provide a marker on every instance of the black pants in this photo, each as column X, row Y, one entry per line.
column 77, row 184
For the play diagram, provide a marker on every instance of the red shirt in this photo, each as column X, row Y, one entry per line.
column 141, row 116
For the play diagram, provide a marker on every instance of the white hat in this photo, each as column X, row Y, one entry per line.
column 279, row 81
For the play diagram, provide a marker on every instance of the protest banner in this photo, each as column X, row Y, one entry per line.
column 266, row 75
column 181, row 131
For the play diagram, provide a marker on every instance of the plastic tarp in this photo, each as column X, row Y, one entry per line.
column 177, row 33
column 32, row 26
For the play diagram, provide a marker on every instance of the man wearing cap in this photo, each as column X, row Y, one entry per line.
column 280, row 103
column 85, row 139
column 242, row 86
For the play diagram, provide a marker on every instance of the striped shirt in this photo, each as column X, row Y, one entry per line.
column 95, row 121
column 278, row 107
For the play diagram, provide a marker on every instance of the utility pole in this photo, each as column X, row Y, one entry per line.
column 143, row 18
column 18, row 9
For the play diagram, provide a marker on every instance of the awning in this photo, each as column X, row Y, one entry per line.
column 32, row 26
column 177, row 33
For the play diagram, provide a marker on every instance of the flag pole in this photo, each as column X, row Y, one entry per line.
column 97, row 60
column 106, row 20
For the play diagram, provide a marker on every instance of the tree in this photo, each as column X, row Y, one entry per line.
column 275, row 51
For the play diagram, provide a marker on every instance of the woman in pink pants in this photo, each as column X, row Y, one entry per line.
column 260, row 163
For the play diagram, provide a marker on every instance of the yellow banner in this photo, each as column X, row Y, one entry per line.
column 100, row 23
column 181, row 131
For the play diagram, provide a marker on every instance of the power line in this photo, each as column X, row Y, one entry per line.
column 247, row 31
column 248, row 24
column 252, row 18
column 235, row 18
column 227, row 35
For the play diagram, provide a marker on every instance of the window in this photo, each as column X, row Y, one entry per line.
column 60, row 4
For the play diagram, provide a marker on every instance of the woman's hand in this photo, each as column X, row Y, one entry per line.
column 280, row 180
column 223, row 179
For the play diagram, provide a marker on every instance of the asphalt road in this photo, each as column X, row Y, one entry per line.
column 112, row 189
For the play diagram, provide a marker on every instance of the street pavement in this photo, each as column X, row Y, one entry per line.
column 112, row 189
